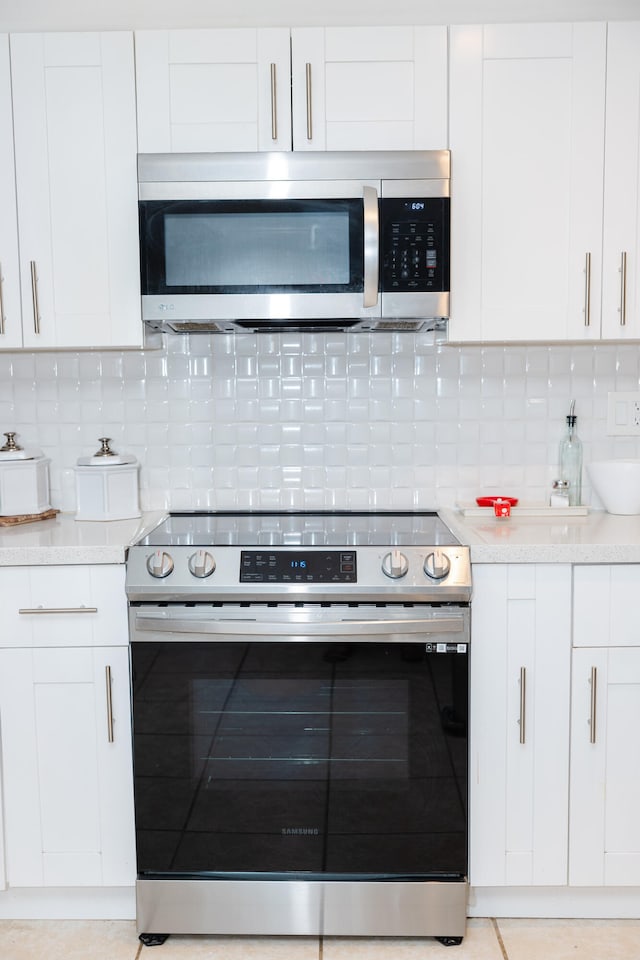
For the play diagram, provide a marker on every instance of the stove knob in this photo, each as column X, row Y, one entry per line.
column 437, row 565
column 201, row 564
column 395, row 565
column 160, row 564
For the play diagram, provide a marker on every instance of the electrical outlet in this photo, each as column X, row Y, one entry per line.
column 623, row 414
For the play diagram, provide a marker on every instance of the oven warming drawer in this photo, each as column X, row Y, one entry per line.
column 361, row 908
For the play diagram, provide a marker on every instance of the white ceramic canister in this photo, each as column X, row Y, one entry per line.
column 107, row 485
column 24, row 480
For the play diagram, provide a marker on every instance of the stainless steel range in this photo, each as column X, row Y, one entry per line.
column 300, row 685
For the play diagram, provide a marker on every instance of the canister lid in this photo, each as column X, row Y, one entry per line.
column 106, row 457
column 13, row 451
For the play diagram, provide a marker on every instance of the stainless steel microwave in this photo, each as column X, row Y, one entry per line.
column 294, row 241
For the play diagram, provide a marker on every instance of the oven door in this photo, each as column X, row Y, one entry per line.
column 300, row 741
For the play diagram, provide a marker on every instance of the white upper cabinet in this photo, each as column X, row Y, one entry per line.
column 76, row 185
column 621, row 250
column 213, row 90
column 527, row 108
column 10, row 316
column 338, row 88
column 369, row 88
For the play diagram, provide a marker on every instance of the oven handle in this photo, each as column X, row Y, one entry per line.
column 271, row 628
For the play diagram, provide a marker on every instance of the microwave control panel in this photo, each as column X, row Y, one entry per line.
column 414, row 240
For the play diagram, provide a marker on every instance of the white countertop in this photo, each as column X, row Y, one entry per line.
column 64, row 539
column 598, row 537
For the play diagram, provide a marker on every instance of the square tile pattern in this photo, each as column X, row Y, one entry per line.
column 319, row 421
column 486, row 939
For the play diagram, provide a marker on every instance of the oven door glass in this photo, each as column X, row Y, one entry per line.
column 313, row 759
column 251, row 246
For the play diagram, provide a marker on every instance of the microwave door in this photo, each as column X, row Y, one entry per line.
column 307, row 257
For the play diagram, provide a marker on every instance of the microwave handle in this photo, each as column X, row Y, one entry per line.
column 371, row 246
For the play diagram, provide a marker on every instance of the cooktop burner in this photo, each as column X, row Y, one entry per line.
column 302, row 528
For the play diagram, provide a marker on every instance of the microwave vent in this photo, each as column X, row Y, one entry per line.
column 438, row 324
column 201, row 326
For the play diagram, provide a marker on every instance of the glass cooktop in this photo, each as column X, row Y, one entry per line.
column 302, row 528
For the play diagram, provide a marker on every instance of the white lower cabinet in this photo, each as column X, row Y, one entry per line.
column 604, row 847
column 65, row 724
column 519, row 724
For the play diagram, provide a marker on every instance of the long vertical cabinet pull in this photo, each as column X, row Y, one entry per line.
column 523, row 704
column 307, row 71
column 594, row 704
column 34, row 297
column 587, row 290
column 274, row 103
column 107, row 672
column 623, row 288
column 2, row 318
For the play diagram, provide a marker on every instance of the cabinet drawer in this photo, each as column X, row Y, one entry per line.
column 63, row 606
column 604, row 611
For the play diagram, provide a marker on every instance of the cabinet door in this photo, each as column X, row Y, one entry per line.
column 527, row 137
column 75, row 151
column 10, row 315
column 213, row 90
column 68, row 792
column 621, row 249
column 519, row 724
column 605, row 768
column 369, row 88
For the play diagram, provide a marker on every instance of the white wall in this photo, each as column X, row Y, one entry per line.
column 352, row 421
column 126, row 14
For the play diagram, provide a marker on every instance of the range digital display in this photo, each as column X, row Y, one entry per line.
column 298, row 566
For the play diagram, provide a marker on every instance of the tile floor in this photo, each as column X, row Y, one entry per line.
column 485, row 940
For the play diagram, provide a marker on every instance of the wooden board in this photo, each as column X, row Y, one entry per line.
column 27, row 518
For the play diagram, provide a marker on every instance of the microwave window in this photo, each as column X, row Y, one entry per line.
column 257, row 249
column 251, row 246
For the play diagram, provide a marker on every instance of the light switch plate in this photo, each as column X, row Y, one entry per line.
column 623, row 414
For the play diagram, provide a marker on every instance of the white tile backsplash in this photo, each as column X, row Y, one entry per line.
column 319, row 420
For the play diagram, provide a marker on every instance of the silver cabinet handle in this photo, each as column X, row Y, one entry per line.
column 47, row 610
column 2, row 317
column 623, row 288
column 523, row 703
column 34, row 297
column 371, row 249
column 594, row 692
column 587, row 290
column 307, row 70
column 107, row 672
column 274, row 104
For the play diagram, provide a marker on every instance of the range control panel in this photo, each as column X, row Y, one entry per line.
column 298, row 566
column 415, row 244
